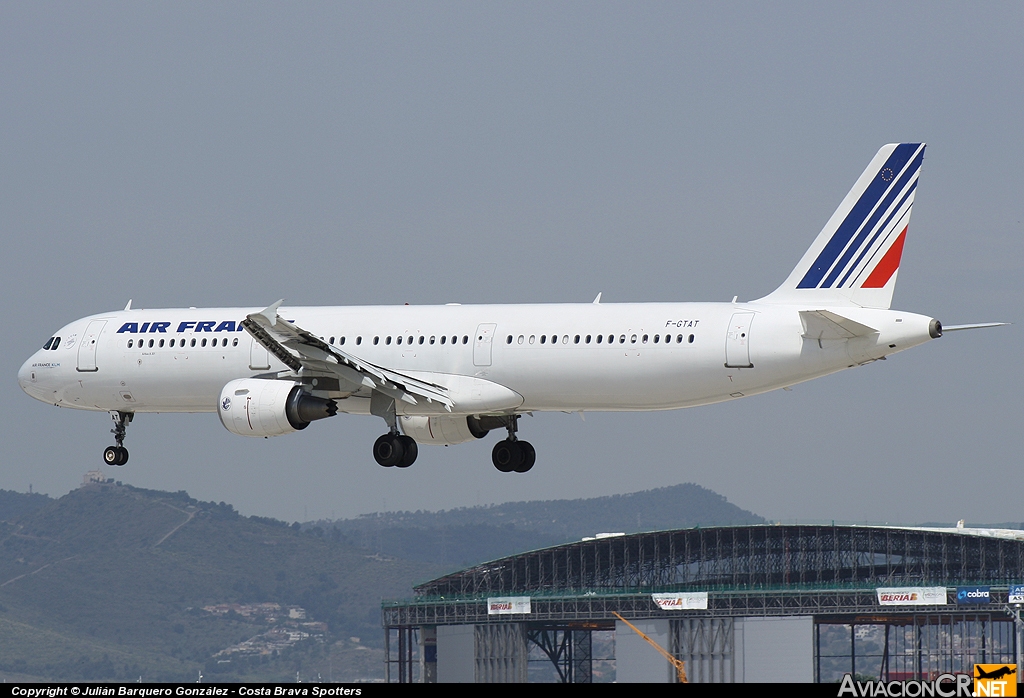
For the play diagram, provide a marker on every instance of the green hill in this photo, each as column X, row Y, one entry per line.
column 109, row 582
column 112, row 582
column 461, row 537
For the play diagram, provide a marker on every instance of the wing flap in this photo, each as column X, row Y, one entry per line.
column 298, row 348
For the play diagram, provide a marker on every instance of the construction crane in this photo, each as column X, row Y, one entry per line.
column 679, row 664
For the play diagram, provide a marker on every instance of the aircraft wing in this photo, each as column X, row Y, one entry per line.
column 298, row 348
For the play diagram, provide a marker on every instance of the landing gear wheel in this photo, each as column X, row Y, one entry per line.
column 115, row 455
column 389, row 450
column 507, row 455
column 529, row 457
column 411, row 450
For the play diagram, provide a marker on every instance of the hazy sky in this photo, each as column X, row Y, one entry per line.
column 215, row 154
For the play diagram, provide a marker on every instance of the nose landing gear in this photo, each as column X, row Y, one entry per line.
column 512, row 455
column 118, row 455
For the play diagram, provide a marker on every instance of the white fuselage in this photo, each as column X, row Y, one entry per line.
column 495, row 359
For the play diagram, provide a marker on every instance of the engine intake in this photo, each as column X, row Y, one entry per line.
column 260, row 407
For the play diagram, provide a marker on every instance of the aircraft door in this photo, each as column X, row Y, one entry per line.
column 737, row 341
column 87, row 349
column 259, row 357
column 482, row 346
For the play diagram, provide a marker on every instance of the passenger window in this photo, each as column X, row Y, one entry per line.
column 234, row 342
column 171, row 343
column 465, row 339
column 611, row 339
column 193, row 342
column 398, row 340
column 532, row 338
column 521, row 339
column 543, row 338
column 162, row 343
column 431, row 339
column 576, row 339
column 645, row 339
column 690, row 339
column 388, row 340
column 376, row 340
column 565, row 339
column 455, row 340
column 656, row 338
column 359, row 340
column 444, row 338
column 600, row 338
column 341, row 341
column 130, row 342
column 408, row 340
column 332, row 340
column 509, row 340
column 421, row 339
column 204, row 341
column 632, row 339
column 587, row 340
column 679, row 339
column 622, row 338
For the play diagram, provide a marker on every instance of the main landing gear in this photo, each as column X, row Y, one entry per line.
column 394, row 449
column 118, row 455
column 512, row 455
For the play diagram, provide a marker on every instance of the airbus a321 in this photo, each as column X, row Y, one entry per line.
column 450, row 374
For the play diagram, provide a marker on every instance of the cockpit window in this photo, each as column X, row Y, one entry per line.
column 48, row 343
column 56, row 343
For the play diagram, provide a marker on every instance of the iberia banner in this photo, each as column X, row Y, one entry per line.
column 504, row 605
column 681, row 601
column 912, row 596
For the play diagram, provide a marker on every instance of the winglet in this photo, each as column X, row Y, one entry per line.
column 270, row 312
column 129, row 306
column 597, row 301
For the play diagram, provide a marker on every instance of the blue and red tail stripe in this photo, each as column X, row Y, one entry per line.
column 893, row 183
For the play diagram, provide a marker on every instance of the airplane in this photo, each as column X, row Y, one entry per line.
column 449, row 374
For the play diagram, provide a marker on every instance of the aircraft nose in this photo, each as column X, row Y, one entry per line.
column 25, row 375
column 28, row 379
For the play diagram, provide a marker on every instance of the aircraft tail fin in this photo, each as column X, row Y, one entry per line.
column 856, row 256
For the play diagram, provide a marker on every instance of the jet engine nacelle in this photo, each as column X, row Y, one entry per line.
column 260, row 407
column 442, row 431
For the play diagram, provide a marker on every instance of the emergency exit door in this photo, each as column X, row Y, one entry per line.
column 737, row 341
column 482, row 345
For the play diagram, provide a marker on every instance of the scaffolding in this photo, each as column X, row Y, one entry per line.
column 830, row 573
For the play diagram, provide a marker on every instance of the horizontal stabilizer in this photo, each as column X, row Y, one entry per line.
column 823, row 324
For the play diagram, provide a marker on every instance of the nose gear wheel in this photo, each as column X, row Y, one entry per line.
column 118, row 455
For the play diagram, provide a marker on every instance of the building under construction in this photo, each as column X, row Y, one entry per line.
column 759, row 603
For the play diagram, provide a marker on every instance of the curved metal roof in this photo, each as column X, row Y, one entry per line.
column 750, row 557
